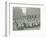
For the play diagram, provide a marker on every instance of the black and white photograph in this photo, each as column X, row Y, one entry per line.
column 26, row 18
column 22, row 18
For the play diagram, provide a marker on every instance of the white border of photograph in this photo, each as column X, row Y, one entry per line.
column 24, row 32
